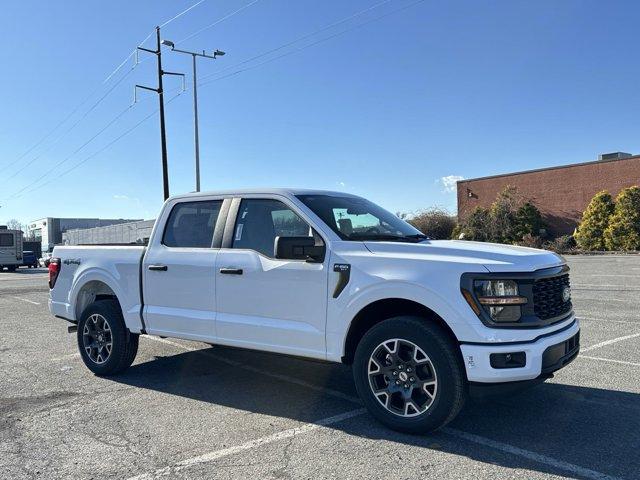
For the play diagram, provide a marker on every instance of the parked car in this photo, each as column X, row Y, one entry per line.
column 10, row 249
column 44, row 260
column 29, row 259
column 329, row 276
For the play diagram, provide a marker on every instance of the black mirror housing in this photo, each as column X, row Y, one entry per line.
column 298, row 248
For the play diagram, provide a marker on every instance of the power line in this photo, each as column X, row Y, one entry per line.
column 105, row 147
column 220, row 20
column 94, row 91
column 52, row 169
column 291, row 52
column 75, row 124
column 181, row 13
column 301, row 38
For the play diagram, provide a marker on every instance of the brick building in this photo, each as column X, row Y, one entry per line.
column 561, row 193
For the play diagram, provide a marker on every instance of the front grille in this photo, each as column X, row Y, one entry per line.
column 547, row 297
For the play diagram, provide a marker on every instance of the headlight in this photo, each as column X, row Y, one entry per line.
column 500, row 299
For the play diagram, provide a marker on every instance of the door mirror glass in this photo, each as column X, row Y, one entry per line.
column 298, row 248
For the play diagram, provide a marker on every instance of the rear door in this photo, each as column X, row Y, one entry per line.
column 179, row 270
column 263, row 302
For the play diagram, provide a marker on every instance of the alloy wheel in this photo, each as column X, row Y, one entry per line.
column 97, row 339
column 402, row 377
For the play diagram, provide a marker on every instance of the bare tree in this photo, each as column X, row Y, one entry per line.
column 14, row 224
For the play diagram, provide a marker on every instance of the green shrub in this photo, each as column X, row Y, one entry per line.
column 435, row 222
column 509, row 219
column 502, row 216
column 528, row 221
column 475, row 226
column 595, row 220
column 623, row 230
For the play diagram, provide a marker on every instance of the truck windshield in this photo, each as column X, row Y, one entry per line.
column 354, row 218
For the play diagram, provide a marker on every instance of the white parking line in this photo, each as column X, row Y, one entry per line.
column 258, row 442
column 66, row 357
column 596, row 285
column 615, row 275
column 610, row 360
column 607, row 320
column 486, row 442
column 610, row 342
column 536, row 457
column 25, row 300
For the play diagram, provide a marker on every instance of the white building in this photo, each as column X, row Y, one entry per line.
column 48, row 231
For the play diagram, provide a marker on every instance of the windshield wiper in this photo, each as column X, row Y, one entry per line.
column 388, row 237
column 418, row 236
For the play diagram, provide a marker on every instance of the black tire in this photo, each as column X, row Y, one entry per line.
column 448, row 393
column 124, row 344
column 12, row 268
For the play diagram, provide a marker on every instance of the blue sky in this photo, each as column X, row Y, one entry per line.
column 387, row 110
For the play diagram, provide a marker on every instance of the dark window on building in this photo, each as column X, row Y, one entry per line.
column 260, row 221
column 6, row 239
column 191, row 224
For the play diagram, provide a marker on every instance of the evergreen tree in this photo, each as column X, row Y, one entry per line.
column 623, row 231
column 595, row 220
column 528, row 221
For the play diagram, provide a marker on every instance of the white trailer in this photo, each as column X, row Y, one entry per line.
column 10, row 249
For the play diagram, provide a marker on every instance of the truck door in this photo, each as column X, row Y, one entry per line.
column 179, row 271
column 263, row 302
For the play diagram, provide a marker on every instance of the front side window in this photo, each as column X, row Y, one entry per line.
column 6, row 239
column 260, row 221
column 191, row 224
column 354, row 218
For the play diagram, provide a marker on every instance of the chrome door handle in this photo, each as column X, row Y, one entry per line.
column 158, row 268
column 231, row 271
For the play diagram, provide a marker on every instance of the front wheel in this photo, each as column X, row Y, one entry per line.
column 105, row 344
column 408, row 374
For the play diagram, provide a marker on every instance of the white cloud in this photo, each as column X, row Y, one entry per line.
column 121, row 197
column 341, row 184
column 449, row 183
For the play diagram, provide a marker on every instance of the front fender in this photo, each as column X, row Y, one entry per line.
column 342, row 311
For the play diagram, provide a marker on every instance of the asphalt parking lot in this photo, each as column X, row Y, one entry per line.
column 188, row 410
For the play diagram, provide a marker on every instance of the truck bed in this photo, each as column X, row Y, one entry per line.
column 90, row 271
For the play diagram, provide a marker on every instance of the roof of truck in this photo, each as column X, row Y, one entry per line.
column 266, row 191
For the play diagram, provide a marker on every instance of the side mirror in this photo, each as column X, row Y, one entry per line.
column 298, row 248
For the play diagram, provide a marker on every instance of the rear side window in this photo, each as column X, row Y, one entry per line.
column 191, row 224
column 6, row 239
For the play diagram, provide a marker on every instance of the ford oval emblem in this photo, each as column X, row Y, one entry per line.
column 566, row 294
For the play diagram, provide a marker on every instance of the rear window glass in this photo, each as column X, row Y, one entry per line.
column 191, row 224
column 6, row 239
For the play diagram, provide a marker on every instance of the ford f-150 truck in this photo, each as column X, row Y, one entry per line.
column 328, row 276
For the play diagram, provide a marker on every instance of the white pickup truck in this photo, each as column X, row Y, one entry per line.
column 329, row 276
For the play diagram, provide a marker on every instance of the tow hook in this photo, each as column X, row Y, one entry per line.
column 72, row 328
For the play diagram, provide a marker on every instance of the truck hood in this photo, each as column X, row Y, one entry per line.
column 494, row 257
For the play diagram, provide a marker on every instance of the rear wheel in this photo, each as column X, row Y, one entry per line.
column 105, row 344
column 408, row 374
column 12, row 268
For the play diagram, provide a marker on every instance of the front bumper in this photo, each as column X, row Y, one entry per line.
column 543, row 356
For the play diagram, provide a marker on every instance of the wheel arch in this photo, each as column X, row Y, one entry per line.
column 383, row 309
column 91, row 291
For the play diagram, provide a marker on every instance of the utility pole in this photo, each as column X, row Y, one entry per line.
column 160, row 91
column 194, row 55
